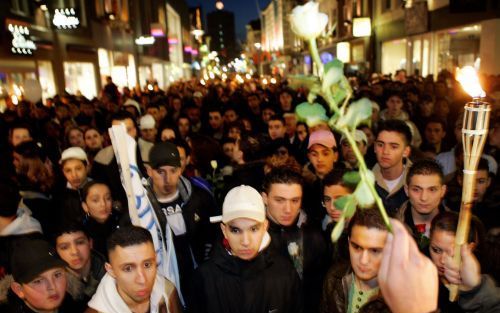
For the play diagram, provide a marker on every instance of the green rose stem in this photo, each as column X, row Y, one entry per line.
column 313, row 48
column 363, row 169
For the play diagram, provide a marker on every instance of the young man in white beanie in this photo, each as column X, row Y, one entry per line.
column 75, row 168
column 243, row 271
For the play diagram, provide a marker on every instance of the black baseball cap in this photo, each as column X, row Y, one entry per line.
column 31, row 257
column 164, row 153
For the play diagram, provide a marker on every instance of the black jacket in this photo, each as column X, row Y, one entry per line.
column 314, row 257
column 336, row 289
column 198, row 206
column 100, row 232
column 42, row 208
column 226, row 284
column 69, row 204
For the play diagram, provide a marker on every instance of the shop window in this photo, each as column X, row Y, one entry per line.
column 174, row 36
column 393, row 56
column 80, row 78
column 118, row 8
column 20, row 7
column 46, row 78
column 458, row 47
column 386, row 5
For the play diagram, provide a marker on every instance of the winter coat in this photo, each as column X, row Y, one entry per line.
column 404, row 215
column 394, row 199
column 82, row 290
column 336, row 288
column 100, row 232
column 485, row 298
column 42, row 208
column 227, row 284
column 307, row 250
column 197, row 206
column 69, row 204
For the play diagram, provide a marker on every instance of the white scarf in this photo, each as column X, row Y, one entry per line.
column 108, row 300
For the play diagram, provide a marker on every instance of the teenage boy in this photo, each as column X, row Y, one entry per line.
column 356, row 288
column 486, row 196
column 39, row 279
column 85, row 267
column 435, row 133
column 132, row 283
column 392, row 148
column 291, row 235
column 75, row 168
column 147, row 125
column 244, row 273
column 425, row 189
column 276, row 128
column 323, row 154
column 334, row 188
column 19, row 133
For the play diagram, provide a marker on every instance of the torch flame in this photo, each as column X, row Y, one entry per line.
column 467, row 77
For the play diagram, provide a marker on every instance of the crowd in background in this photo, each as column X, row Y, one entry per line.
column 60, row 182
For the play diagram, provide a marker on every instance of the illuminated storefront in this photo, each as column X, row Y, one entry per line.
column 433, row 52
column 22, row 60
column 119, row 65
column 80, row 79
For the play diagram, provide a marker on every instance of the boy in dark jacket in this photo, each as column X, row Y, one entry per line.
column 244, row 274
column 355, row 288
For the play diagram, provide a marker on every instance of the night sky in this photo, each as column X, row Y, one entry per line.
column 244, row 11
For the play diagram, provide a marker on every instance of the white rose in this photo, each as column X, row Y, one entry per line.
column 363, row 194
column 213, row 164
column 306, row 20
column 293, row 248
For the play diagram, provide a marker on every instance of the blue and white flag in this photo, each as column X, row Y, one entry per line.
column 140, row 209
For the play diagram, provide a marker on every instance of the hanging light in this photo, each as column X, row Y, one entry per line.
column 219, row 5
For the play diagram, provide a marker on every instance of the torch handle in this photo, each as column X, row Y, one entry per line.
column 463, row 227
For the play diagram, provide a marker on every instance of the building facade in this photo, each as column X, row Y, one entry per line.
column 73, row 45
column 278, row 40
column 221, row 29
column 426, row 37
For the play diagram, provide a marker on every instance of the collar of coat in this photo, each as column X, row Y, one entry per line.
column 379, row 179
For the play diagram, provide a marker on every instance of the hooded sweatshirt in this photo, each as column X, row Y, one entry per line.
column 23, row 224
column 108, row 300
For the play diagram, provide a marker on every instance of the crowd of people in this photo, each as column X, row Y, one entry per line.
column 247, row 192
